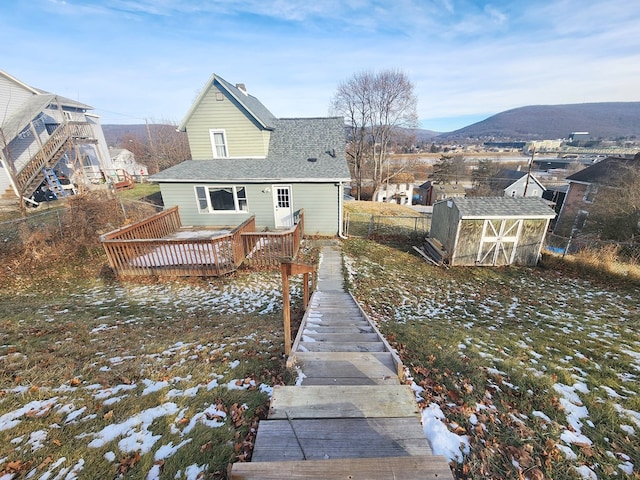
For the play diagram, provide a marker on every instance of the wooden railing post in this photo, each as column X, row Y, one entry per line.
column 288, row 268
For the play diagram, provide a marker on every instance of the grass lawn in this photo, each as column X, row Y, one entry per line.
column 125, row 380
column 536, row 370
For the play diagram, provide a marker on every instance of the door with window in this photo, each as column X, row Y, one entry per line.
column 282, row 206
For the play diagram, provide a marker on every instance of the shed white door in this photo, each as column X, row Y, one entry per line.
column 282, row 206
column 499, row 241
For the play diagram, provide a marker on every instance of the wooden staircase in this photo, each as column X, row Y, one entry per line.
column 350, row 417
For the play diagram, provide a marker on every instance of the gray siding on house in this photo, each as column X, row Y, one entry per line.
column 320, row 203
column 317, row 199
column 245, row 138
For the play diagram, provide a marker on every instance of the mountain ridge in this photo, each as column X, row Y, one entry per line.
column 603, row 120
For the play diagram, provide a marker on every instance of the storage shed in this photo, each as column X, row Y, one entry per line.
column 491, row 231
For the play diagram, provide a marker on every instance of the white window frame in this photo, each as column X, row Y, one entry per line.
column 590, row 193
column 203, row 199
column 214, row 147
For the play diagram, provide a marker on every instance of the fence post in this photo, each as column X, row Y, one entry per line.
column 371, row 226
column 287, row 268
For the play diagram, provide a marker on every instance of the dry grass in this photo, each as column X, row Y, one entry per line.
column 378, row 208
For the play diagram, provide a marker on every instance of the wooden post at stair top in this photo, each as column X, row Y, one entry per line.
column 288, row 268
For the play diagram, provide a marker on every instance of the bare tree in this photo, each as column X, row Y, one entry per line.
column 376, row 106
column 161, row 147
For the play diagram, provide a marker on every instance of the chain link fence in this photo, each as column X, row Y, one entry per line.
column 15, row 234
column 366, row 225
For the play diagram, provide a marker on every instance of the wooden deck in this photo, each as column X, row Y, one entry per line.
column 160, row 245
column 351, row 417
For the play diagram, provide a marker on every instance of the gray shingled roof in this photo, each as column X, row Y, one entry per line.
column 251, row 104
column 293, row 142
column 504, row 178
column 502, row 207
column 606, row 172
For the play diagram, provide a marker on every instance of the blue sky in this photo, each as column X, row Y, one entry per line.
column 147, row 59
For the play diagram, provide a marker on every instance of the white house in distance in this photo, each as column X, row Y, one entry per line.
column 45, row 137
column 398, row 190
column 124, row 159
column 516, row 183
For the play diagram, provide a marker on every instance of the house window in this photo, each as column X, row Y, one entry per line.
column 590, row 193
column 219, row 143
column 221, row 198
column 580, row 221
column 513, row 193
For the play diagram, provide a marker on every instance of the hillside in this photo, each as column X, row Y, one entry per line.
column 602, row 120
column 609, row 120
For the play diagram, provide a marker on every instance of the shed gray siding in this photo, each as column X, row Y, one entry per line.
column 445, row 230
column 464, row 227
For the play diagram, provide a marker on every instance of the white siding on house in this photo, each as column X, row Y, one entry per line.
column 13, row 96
column 244, row 137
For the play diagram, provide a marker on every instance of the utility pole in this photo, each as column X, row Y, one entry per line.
column 526, row 185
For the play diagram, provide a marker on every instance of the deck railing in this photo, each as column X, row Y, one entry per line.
column 156, row 226
column 140, row 249
column 267, row 249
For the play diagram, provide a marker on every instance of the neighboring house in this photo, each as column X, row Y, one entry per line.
column 431, row 192
column 124, row 159
column 398, row 190
column 597, row 183
column 248, row 162
column 42, row 134
column 490, row 231
column 515, row 183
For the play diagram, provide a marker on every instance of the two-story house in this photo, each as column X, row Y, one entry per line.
column 245, row 162
column 601, row 185
column 515, row 183
column 43, row 137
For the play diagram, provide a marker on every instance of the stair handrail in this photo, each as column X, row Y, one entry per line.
column 41, row 159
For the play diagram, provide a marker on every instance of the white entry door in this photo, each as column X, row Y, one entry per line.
column 282, row 206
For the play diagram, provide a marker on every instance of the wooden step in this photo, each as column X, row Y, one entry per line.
column 355, row 328
column 342, row 337
column 337, row 320
column 386, row 468
column 279, row 440
column 341, row 347
column 366, row 401
column 346, row 368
